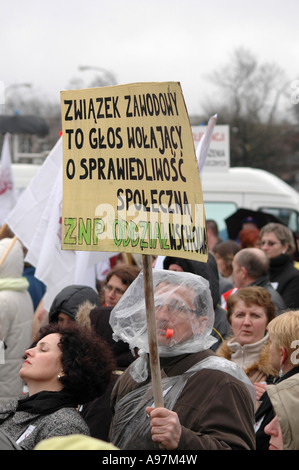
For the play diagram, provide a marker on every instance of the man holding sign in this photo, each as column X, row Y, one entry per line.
column 130, row 179
column 209, row 403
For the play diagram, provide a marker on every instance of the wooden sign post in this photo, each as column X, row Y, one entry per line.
column 151, row 330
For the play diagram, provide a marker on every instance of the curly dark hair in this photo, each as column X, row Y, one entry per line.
column 87, row 360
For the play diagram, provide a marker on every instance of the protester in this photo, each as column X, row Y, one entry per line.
column 249, row 223
column 117, row 281
column 249, row 310
column 207, row 400
column 251, row 268
column 212, row 234
column 278, row 243
column 69, row 300
column 249, row 238
column 284, row 427
column 224, row 254
column 284, row 357
column 16, row 318
column 221, row 327
column 66, row 367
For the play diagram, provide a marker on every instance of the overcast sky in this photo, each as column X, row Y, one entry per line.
column 44, row 42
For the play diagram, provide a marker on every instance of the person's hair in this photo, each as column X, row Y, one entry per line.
column 87, row 360
column 127, row 273
column 252, row 295
column 227, row 251
column 212, row 225
column 249, row 237
column 255, row 262
column 284, row 329
column 283, row 233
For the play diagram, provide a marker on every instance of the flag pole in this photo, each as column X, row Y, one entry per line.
column 152, row 331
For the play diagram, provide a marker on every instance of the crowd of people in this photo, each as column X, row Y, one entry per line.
column 227, row 336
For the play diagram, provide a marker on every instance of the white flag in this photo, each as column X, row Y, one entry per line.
column 204, row 143
column 7, row 188
column 36, row 221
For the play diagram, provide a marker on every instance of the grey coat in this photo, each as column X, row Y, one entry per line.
column 27, row 429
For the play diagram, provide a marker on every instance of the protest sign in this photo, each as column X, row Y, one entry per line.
column 130, row 174
column 218, row 154
column 131, row 181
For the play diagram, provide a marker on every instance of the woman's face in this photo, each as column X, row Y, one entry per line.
column 114, row 290
column 43, row 364
column 271, row 245
column 248, row 322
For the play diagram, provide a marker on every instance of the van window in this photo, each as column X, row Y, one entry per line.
column 288, row 217
column 219, row 211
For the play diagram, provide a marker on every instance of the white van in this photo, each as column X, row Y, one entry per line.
column 249, row 188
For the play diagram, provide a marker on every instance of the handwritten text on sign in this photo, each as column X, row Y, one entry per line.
column 131, row 180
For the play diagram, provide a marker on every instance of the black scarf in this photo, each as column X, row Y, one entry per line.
column 45, row 402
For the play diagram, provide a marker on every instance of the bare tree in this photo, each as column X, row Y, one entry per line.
column 250, row 100
column 250, row 90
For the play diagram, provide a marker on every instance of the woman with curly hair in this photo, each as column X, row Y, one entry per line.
column 64, row 368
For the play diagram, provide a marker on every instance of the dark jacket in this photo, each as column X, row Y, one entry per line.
column 265, row 414
column 286, row 276
column 208, row 271
column 275, row 296
column 214, row 408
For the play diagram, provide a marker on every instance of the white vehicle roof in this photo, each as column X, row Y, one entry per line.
column 251, row 180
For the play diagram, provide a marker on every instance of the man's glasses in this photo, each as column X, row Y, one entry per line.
column 173, row 307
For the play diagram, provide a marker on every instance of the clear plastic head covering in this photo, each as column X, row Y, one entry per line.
column 184, row 317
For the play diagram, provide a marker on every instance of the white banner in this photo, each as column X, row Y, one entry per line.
column 7, row 189
column 36, row 221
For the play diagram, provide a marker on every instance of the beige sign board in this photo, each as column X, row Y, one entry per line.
column 130, row 175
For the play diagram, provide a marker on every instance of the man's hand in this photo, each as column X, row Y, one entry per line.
column 165, row 426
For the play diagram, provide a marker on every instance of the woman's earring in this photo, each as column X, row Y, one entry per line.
column 280, row 373
column 59, row 378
